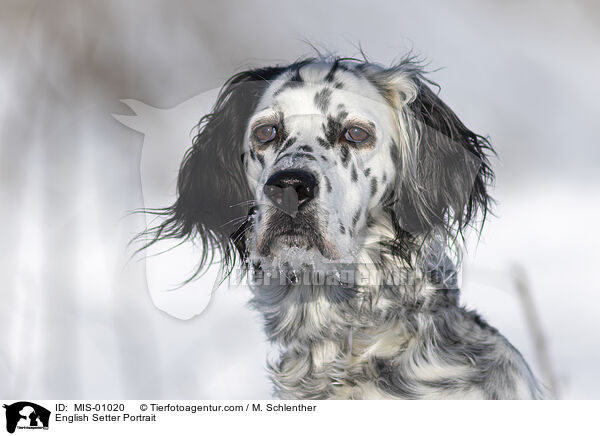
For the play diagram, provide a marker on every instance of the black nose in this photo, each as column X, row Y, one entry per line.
column 290, row 190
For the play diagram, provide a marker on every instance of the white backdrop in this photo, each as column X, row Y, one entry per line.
column 76, row 314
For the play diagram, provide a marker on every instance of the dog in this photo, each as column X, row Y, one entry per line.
column 344, row 188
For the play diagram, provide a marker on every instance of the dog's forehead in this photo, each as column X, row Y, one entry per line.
column 318, row 89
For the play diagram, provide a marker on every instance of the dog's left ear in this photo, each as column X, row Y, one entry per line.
column 452, row 164
column 444, row 170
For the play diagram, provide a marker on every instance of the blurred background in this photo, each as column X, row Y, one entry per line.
column 76, row 315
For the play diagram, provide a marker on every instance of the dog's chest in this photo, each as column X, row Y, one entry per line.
column 340, row 369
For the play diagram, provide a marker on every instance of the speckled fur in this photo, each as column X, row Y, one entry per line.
column 390, row 209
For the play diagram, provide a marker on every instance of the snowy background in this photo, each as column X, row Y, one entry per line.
column 80, row 319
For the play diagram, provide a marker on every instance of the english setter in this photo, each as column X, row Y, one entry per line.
column 343, row 188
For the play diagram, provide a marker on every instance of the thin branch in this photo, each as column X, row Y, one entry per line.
column 535, row 328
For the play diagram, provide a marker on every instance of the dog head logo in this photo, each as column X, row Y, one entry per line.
column 167, row 136
column 26, row 415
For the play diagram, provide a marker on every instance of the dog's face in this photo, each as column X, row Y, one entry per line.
column 301, row 164
column 321, row 151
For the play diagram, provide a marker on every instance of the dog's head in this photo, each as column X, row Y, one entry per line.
column 300, row 163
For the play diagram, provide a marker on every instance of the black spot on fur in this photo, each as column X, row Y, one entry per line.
column 367, row 172
column 324, row 158
column 394, row 154
column 338, row 85
column 342, row 115
column 356, row 217
column 261, row 159
column 322, row 99
column 281, row 136
column 295, row 81
column 332, row 130
column 331, row 74
column 342, row 229
column 306, row 148
column 328, row 183
column 373, row 186
column 345, row 155
column 323, row 143
column 354, row 174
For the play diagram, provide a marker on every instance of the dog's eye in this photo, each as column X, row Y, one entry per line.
column 265, row 133
column 356, row 134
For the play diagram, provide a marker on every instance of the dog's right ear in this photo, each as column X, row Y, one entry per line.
column 213, row 197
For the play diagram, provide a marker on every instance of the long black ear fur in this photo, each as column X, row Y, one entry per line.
column 448, row 185
column 213, row 196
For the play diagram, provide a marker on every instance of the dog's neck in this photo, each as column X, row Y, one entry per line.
column 325, row 322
